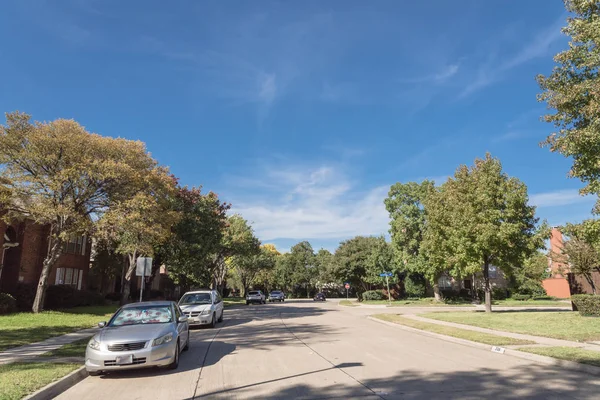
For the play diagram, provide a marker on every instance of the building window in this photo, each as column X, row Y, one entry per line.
column 75, row 245
column 445, row 282
column 69, row 276
column 492, row 272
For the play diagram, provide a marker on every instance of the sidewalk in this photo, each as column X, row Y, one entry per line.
column 29, row 351
column 540, row 340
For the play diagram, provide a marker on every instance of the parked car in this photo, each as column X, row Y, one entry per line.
column 255, row 296
column 203, row 307
column 147, row 334
column 319, row 297
column 276, row 295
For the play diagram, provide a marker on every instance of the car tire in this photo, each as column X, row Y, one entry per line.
column 221, row 317
column 187, row 342
column 94, row 373
column 213, row 321
column 175, row 362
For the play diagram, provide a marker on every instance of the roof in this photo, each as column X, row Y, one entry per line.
column 200, row 291
column 149, row 304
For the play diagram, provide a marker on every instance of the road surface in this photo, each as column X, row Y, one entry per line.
column 302, row 349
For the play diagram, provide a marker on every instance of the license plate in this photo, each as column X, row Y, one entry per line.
column 194, row 319
column 124, row 360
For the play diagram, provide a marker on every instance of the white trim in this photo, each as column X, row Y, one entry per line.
column 80, row 279
column 57, row 279
column 83, row 245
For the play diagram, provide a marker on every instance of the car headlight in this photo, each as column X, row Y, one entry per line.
column 163, row 339
column 206, row 312
column 94, row 344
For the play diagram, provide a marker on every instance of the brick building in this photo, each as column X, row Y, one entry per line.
column 24, row 247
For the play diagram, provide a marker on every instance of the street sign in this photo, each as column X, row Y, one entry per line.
column 383, row 275
column 144, row 266
column 347, row 286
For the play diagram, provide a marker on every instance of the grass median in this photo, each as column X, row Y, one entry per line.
column 74, row 349
column 567, row 325
column 474, row 336
column 348, row 303
column 24, row 328
column 567, row 353
column 232, row 301
column 17, row 380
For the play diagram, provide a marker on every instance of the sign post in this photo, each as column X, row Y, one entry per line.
column 143, row 269
column 387, row 281
column 347, row 286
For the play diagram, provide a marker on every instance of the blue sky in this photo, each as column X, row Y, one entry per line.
column 301, row 114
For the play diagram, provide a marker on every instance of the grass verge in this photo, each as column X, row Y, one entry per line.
column 567, row 353
column 466, row 334
column 230, row 301
column 24, row 328
column 531, row 303
column 348, row 303
column 20, row 379
column 75, row 349
column 565, row 325
column 425, row 302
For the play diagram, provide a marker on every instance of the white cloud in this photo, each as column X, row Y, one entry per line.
column 449, row 72
column 559, row 198
column 267, row 88
column 314, row 203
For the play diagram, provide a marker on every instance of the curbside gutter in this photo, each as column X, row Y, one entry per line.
column 570, row 365
column 55, row 388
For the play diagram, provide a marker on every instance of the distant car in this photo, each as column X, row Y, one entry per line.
column 255, row 296
column 319, row 297
column 203, row 307
column 276, row 295
column 147, row 334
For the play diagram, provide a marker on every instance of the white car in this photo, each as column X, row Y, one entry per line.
column 255, row 296
column 202, row 307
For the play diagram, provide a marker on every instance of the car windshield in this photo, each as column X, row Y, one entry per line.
column 253, row 293
column 196, row 298
column 142, row 315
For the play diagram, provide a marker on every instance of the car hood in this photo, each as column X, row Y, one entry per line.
column 133, row 333
column 195, row 307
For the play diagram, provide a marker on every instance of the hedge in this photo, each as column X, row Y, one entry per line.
column 414, row 285
column 8, row 304
column 373, row 295
column 521, row 297
column 64, row 296
column 587, row 304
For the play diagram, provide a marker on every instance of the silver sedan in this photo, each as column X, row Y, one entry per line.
column 147, row 334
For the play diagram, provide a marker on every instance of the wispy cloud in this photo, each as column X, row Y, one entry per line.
column 314, row 202
column 559, row 198
column 491, row 70
column 441, row 75
column 447, row 73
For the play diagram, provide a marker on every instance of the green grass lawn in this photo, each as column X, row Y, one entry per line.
column 23, row 328
column 75, row 349
column 425, row 302
column 566, row 325
column 348, row 303
column 466, row 334
column 230, row 301
column 529, row 303
column 20, row 379
column 567, row 353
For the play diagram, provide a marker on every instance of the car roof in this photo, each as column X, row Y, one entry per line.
column 149, row 304
column 200, row 291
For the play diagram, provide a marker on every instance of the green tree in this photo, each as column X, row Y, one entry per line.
column 581, row 250
column 245, row 255
column 528, row 278
column 142, row 223
column 572, row 90
column 479, row 218
column 303, row 266
column 408, row 213
column 324, row 263
column 58, row 174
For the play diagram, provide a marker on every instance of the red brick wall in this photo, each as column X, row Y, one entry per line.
column 556, row 245
column 557, row 287
column 32, row 253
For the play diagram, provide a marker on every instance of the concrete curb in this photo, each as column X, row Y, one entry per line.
column 55, row 388
column 570, row 365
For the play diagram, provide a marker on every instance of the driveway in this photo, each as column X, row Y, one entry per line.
column 301, row 349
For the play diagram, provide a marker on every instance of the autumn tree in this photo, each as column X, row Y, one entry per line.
column 141, row 223
column 572, row 91
column 58, row 174
column 478, row 218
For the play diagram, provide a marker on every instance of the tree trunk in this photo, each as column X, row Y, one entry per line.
column 590, row 279
column 126, row 286
column 486, row 287
column 436, row 292
column 49, row 261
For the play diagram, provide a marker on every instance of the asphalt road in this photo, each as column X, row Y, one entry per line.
column 305, row 350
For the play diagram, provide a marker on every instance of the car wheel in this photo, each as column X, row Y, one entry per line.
column 221, row 317
column 213, row 321
column 187, row 342
column 175, row 362
column 94, row 373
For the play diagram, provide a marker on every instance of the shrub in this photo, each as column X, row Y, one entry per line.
column 114, row 296
column 531, row 288
column 520, row 297
column 8, row 304
column 544, row 298
column 64, row 296
column 587, row 304
column 373, row 295
column 24, row 294
column 414, row 285
column 499, row 293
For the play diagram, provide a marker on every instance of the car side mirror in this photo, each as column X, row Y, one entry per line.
column 183, row 318
column 101, row 324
